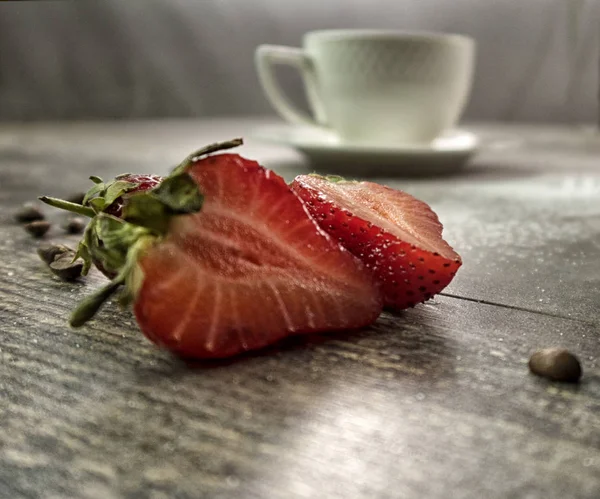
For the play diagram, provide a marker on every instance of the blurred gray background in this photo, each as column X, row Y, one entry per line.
column 107, row 59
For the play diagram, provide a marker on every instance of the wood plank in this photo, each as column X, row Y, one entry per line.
column 431, row 402
column 422, row 403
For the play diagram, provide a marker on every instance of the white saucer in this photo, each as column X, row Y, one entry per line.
column 445, row 155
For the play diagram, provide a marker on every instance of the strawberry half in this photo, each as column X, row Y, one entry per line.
column 397, row 236
column 235, row 265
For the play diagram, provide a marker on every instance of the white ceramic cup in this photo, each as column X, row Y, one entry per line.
column 374, row 86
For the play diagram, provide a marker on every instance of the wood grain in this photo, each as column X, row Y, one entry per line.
column 435, row 402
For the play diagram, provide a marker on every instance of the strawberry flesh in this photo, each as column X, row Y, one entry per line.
column 250, row 268
column 397, row 236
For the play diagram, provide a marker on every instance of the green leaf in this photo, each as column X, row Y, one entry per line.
column 116, row 189
column 179, row 193
column 129, row 274
column 176, row 195
column 90, row 305
column 97, row 204
column 68, row 206
column 101, row 195
column 83, row 252
column 96, row 180
column 109, row 239
column 96, row 189
column 145, row 210
column 116, row 233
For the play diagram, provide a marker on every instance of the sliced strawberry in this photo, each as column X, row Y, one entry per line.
column 250, row 268
column 397, row 236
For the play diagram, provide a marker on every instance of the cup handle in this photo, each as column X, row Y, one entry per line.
column 269, row 55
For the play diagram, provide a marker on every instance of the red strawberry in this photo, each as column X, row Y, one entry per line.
column 248, row 269
column 397, row 236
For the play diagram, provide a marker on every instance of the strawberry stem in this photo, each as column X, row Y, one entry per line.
column 209, row 149
column 86, row 211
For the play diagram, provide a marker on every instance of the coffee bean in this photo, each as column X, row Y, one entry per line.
column 60, row 261
column 76, row 197
column 49, row 252
column 75, row 225
column 38, row 228
column 556, row 364
column 29, row 212
column 65, row 268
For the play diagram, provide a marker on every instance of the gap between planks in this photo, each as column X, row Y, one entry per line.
column 521, row 309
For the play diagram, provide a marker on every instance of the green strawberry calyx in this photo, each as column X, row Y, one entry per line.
column 99, row 197
column 117, row 243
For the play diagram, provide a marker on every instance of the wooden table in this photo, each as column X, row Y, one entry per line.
column 436, row 402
